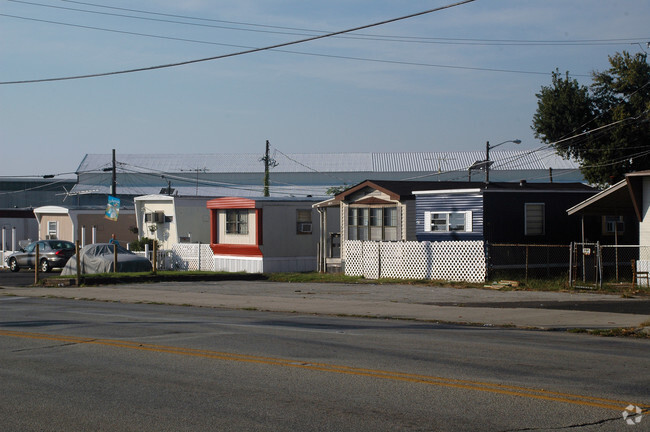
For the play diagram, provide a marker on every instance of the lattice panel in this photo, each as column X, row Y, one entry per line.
column 192, row 256
column 458, row 261
column 403, row 260
column 370, row 260
column 354, row 258
column 451, row 261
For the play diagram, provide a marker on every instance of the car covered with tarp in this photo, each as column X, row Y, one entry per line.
column 99, row 258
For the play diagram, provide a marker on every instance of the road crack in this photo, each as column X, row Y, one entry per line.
column 569, row 427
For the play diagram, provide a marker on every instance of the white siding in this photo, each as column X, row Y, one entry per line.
column 644, row 225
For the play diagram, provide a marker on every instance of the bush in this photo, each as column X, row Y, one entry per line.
column 139, row 245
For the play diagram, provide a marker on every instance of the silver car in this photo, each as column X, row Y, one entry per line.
column 51, row 254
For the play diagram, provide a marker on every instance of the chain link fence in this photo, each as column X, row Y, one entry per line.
column 617, row 261
column 527, row 261
column 584, row 265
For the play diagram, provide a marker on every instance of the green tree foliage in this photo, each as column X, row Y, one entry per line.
column 609, row 120
column 335, row 190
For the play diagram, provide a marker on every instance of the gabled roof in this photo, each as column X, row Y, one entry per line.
column 622, row 198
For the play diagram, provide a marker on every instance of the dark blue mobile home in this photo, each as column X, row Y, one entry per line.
column 532, row 213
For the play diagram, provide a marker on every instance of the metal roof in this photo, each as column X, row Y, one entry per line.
column 326, row 162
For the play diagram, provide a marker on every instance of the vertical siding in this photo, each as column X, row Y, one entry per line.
column 449, row 203
column 409, row 220
column 644, row 225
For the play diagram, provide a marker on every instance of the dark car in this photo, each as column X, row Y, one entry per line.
column 51, row 254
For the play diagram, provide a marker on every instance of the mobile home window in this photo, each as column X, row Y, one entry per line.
column 53, row 230
column 303, row 222
column 372, row 223
column 613, row 225
column 534, row 215
column 236, row 221
column 448, row 221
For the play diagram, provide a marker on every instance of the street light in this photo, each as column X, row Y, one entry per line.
column 488, row 147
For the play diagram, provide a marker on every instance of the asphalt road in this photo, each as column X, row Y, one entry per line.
column 80, row 365
column 21, row 278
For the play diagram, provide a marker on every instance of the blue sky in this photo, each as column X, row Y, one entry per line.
column 446, row 81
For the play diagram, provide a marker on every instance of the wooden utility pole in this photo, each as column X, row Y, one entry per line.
column 269, row 163
column 114, row 179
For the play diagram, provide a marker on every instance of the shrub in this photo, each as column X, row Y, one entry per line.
column 139, row 245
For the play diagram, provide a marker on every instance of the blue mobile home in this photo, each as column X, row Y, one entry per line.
column 500, row 212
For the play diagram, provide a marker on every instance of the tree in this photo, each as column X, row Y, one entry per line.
column 335, row 190
column 606, row 127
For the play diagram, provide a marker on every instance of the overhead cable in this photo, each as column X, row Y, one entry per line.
column 249, row 51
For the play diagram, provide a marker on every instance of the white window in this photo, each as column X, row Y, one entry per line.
column 236, row 221
column 613, row 225
column 303, row 222
column 448, row 221
column 372, row 223
column 535, row 219
column 53, row 230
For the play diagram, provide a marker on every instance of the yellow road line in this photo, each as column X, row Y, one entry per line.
column 611, row 404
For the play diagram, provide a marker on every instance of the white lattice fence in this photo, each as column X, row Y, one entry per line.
column 354, row 258
column 192, row 256
column 452, row 261
column 370, row 258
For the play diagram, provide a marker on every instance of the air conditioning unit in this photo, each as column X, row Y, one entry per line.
column 155, row 217
column 159, row 217
column 304, row 227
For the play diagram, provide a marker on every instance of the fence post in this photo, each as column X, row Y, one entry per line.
column 114, row 258
column 571, row 264
column 36, row 264
column 526, row 263
column 199, row 245
column 155, row 256
column 600, row 265
column 78, row 258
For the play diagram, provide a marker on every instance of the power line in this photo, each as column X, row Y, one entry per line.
column 250, row 51
column 398, row 62
column 360, row 36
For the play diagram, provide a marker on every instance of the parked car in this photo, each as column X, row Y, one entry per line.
column 99, row 258
column 51, row 254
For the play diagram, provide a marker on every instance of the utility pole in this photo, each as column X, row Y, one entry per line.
column 269, row 163
column 114, row 179
column 487, row 162
column 197, row 171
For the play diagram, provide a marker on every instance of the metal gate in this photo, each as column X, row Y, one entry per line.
column 586, row 266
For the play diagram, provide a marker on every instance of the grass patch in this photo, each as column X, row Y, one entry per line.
column 620, row 332
column 553, row 285
column 341, row 278
column 314, row 277
column 150, row 277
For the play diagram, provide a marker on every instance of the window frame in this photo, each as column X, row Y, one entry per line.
column 51, row 231
column 302, row 221
column 619, row 221
column 528, row 220
column 236, row 222
column 366, row 221
column 437, row 216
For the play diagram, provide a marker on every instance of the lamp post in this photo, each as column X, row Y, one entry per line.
column 488, row 147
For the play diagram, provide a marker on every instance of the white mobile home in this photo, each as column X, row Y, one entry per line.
column 172, row 219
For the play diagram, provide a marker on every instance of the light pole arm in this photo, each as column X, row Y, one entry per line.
column 487, row 156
